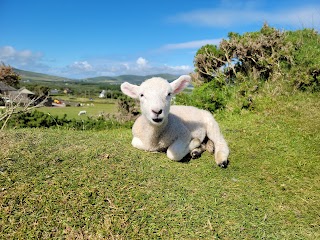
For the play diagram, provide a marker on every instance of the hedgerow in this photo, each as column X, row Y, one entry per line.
column 37, row 119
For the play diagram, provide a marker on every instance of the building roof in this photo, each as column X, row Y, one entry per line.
column 25, row 91
column 5, row 87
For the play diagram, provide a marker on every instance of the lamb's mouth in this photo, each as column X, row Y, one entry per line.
column 157, row 120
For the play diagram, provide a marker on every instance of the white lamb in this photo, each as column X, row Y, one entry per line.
column 178, row 130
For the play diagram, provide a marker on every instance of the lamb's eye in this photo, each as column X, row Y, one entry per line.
column 169, row 94
column 141, row 95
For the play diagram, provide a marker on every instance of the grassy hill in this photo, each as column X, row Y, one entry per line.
column 33, row 76
column 94, row 185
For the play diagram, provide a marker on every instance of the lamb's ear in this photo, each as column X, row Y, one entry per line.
column 181, row 83
column 130, row 90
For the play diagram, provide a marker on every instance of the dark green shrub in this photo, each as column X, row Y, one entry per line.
column 305, row 74
column 210, row 96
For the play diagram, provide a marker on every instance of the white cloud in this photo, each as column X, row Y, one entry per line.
column 302, row 17
column 81, row 66
column 182, row 68
column 307, row 16
column 192, row 44
column 141, row 62
column 140, row 66
column 178, row 70
column 10, row 55
column 214, row 17
column 7, row 52
column 126, row 65
column 78, row 69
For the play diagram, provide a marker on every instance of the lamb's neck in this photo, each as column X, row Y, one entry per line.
column 155, row 129
column 150, row 134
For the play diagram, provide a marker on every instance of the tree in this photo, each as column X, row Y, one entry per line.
column 8, row 76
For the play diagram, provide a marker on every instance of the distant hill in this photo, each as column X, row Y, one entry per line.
column 136, row 79
column 33, row 76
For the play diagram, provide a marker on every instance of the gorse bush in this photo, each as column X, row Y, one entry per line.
column 37, row 119
column 243, row 67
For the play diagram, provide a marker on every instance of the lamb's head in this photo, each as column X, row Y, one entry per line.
column 155, row 95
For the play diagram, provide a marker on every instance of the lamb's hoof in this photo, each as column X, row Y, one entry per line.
column 196, row 153
column 224, row 164
column 186, row 159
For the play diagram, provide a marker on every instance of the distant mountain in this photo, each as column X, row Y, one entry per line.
column 135, row 79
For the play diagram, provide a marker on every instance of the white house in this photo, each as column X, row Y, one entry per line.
column 102, row 94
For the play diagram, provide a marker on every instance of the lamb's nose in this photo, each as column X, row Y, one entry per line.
column 157, row 112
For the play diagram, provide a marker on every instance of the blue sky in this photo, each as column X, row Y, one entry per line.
column 80, row 39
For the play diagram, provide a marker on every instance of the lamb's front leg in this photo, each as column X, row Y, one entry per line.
column 137, row 143
column 179, row 149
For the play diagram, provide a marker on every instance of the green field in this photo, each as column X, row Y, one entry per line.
column 93, row 108
column 72, row 112
column 64, row 184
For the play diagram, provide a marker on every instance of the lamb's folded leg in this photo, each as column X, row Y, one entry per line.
column 194, row 143
column 137, row 143
column 197, row 152
column 206, row 145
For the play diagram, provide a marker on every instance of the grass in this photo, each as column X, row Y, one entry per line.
column 72, row 112
column 94, row 185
